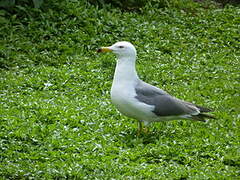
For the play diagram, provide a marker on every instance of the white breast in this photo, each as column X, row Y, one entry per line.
column 123, row 91
column 123, row 97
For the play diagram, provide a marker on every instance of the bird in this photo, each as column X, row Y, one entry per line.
column 139, row 100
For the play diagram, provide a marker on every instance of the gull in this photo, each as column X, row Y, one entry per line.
column 139, row 100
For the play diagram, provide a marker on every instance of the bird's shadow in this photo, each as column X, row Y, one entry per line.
column 130, row 137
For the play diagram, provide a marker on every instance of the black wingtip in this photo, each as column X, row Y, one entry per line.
column 202, row 117
column 204, row 109
column 99, row 50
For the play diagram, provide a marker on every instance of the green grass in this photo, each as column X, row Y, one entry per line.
column 57, row 120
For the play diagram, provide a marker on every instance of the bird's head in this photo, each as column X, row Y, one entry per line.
column 121, row 49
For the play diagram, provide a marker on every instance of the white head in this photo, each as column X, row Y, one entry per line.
column 122, row 49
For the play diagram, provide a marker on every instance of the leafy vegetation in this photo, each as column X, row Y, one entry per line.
column 57, row 120
column 13, row 3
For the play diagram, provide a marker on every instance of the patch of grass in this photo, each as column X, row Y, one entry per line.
column 57, row 120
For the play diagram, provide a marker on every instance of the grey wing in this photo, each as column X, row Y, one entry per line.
column 165, row 104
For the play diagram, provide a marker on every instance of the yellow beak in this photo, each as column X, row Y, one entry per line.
column 104, row 49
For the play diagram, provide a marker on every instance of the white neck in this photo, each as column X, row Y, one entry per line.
column 125, row 71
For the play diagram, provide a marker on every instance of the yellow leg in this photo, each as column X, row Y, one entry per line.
column 142, row 129
column 146, row 130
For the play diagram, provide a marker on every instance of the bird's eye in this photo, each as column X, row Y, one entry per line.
column 121, row 47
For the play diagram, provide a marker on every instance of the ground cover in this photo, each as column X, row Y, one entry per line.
column 57, row 120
